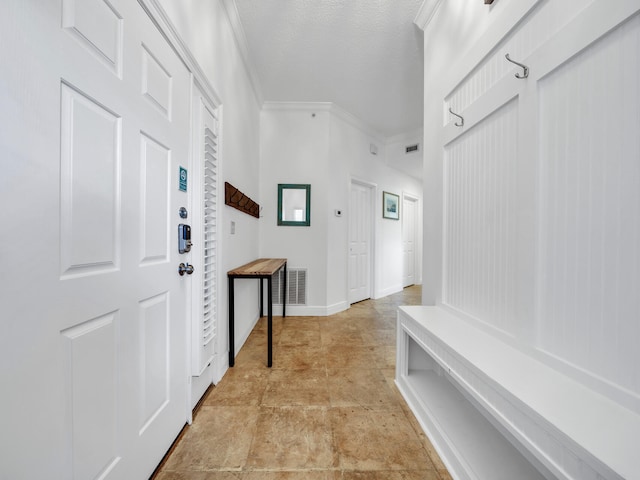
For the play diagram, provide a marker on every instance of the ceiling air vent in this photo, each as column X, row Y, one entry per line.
column 411, row 148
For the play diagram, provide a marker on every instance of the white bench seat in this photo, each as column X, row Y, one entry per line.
column 562, row 427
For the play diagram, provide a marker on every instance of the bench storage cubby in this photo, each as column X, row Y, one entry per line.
column 494, row 412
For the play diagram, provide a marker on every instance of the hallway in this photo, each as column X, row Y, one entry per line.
column 327, row 410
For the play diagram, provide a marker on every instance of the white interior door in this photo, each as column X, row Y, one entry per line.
column 94, row 348
column 359, row 242
column 409, row 243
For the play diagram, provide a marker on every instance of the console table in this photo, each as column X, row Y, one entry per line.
column 261, row 269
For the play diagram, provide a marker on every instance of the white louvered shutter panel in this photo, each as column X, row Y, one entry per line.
column 204, row 313
column 209, row 325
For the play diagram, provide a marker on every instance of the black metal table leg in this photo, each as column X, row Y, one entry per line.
column 261, row 299
column 231, row 326
column 284, row 292
column 269, row 323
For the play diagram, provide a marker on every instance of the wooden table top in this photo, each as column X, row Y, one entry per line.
column 258, row 268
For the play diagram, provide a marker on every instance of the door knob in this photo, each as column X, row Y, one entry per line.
column 182, row 269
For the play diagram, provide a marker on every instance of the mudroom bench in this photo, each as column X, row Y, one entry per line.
column 494, row 412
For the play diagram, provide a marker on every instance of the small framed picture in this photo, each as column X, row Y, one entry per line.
column 390, row 206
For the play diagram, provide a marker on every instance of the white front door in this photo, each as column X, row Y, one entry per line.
column 94, row 127
column 359, row 243
column 409, row 223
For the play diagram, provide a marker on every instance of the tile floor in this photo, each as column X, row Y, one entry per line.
column 328, row 409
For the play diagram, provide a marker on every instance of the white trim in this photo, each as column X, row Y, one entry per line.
column 297, row 106
column 408, row 136
column 426, row 13
column 220, row 366
column 330, row 107
column 337, row 307
column 241, row 40
column 385, row 292
column 311, row 310
column 354, row 121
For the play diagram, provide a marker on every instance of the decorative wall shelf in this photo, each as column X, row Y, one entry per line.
column 238, row 200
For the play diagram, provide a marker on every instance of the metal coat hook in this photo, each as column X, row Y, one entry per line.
column 524, row 67
column 461, row 124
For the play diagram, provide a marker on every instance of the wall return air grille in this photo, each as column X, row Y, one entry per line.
column 296, row 286
column 411, row 148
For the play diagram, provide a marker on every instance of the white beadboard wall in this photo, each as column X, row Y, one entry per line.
column 553, row 267
column 479, row 263
column 589, row 279
column 537, row 28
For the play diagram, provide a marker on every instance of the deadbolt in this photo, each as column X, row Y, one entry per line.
column 182, row 269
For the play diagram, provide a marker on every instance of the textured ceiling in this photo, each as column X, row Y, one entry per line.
column 366, row 56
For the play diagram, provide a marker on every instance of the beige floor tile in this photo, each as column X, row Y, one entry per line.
column 391, row 475
column 302, row 323
column 380, row 337
column 297, row 387
column 290, row 475
column 292, row 438
column 352, row 356
column 252, row 358
column 375, row 439
column 239, row 387
column 327, row 410
column 373, row 321
column 351, row 387
column 298, row 358
column 217, row 475
column 387, row 357
column 219, row 439
column 298, row 336
column 277, row 323
column 336, row 338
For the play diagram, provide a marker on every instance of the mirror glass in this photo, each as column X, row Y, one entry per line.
column 294, row 207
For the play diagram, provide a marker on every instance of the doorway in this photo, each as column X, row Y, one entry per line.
column 409, row 239
column 360, row 240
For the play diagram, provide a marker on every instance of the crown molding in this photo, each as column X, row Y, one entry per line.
column 356, row 122
column 426, row 13
column 159, row 16
column 297, row 106
column 408, row 136
column 330, row 107
column 241, row 42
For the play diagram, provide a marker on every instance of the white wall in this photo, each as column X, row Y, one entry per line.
column 326, row 151
column 350, row 148
column 397, row 157
column 206, row 29
column 294, row 149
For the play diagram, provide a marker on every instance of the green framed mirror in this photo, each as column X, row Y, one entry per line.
column 294, row 205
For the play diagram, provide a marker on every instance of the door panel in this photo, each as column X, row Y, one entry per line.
column 359, row 243
column 409, row 220
column 94, row 314
column 90, row 202
column 155, row 164
column 92, row 352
